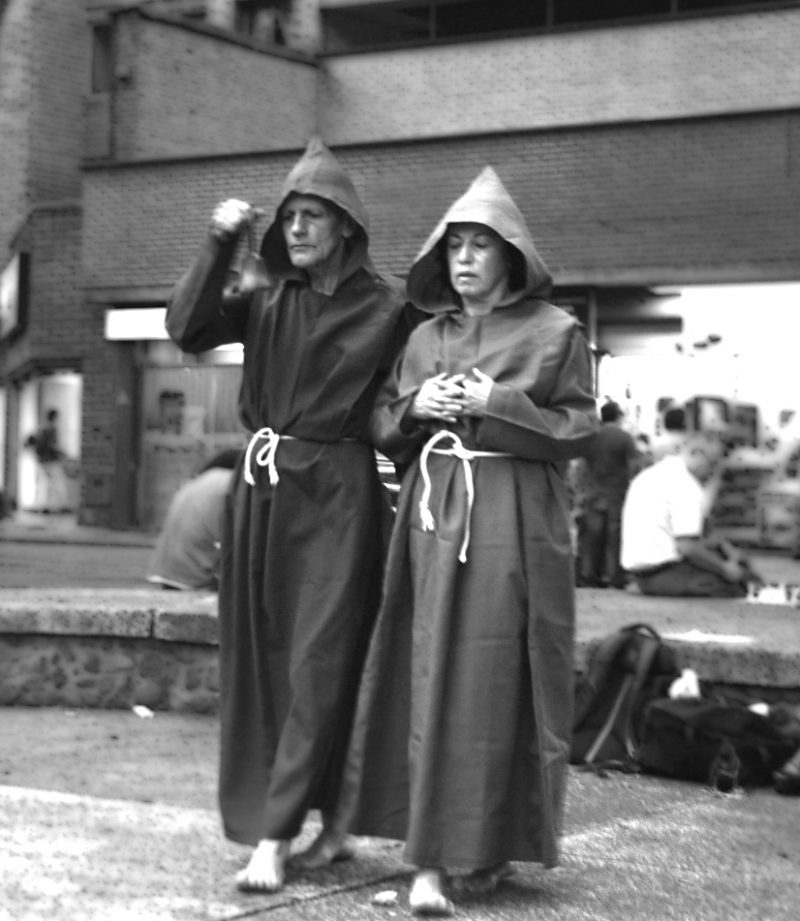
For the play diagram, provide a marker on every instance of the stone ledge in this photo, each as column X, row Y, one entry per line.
column 114, row 649
column 748, row 665
column 720, row 663
column 173, row 627
column 724, row 640
column 185, row 617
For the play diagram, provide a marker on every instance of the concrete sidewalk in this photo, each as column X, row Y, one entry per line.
column 105, row 816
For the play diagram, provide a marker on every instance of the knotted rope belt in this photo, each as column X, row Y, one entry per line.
column 465, row 455
column 265, row 455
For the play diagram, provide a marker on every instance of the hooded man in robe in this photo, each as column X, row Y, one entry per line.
column 301, row 547
column 463, row 729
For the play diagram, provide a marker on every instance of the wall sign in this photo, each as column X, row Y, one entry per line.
column 14, row 295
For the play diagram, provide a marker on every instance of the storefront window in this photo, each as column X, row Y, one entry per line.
column 189, row 414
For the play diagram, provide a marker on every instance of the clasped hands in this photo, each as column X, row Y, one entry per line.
column 446, row 398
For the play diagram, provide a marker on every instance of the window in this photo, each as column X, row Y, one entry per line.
column 413, row 22
column 483, row 17
column 261, row 20
column 587, row 11
column 102, row 76
column 688, row 6
column 352, row 26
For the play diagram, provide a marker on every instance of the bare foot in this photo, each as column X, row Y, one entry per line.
column 324, row 850
column 481, row 882
column 427, row 894
column 266, row 870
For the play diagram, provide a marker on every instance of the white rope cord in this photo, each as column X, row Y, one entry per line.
column 465, row 456
column 265, row 456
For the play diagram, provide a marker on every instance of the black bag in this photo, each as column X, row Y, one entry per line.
column 625, row 671
column 722, row 743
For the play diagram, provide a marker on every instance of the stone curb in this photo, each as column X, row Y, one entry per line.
column 185, row 617
column 110, row 647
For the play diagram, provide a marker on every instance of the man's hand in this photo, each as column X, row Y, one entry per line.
column 733, row 571
column 230, row 216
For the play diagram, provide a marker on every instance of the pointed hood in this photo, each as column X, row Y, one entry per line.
column 318, row 173
column 486, row 202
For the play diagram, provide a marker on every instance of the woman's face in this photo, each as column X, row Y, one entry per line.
column 314, row 232
column 477, row 259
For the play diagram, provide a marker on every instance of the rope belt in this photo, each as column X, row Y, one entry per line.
column 265, row 456
column 465, row 455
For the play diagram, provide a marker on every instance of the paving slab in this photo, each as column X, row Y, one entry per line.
column 106, row 816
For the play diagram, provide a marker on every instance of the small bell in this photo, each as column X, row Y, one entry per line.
column 252, row 270
column 252, row 274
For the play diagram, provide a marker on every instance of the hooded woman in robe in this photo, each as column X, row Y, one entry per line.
column 465, row 713
column 301, row 546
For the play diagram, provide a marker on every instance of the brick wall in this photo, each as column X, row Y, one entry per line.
column 15, row 90
column 58, row 327
column 144, row 223
column 44, row 60
column 183, row 92
column 60, row 67
column 303, row 26
column 99, row 425
column 678, row 69
column 703, row 200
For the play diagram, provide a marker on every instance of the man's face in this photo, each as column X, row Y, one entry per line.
column 701, row 456
column 314, row 232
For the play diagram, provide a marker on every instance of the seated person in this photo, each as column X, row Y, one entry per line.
column 187, row 552
column 663, row 517
column 673, row 433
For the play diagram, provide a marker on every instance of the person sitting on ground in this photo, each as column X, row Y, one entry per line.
column 663, row 517
column 187, row 552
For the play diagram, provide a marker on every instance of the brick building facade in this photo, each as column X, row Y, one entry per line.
column 661, row 150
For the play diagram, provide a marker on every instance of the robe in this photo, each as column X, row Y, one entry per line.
column 463, row 728
column 301, row 558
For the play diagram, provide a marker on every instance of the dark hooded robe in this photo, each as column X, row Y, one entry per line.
column 465, row 712
column 301, row 548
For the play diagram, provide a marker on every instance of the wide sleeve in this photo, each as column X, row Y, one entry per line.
column 204, row 311
column 392, row 430
column 559, row 429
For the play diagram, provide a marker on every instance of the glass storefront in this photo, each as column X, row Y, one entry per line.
column 188, row 414
column 56, row 487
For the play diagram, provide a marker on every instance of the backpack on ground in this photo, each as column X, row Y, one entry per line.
column 624, row 672
column 719, row 742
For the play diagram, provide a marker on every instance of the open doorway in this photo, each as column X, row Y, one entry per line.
column 49, row 417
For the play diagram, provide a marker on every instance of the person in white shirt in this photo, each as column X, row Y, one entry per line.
column 663, row 519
